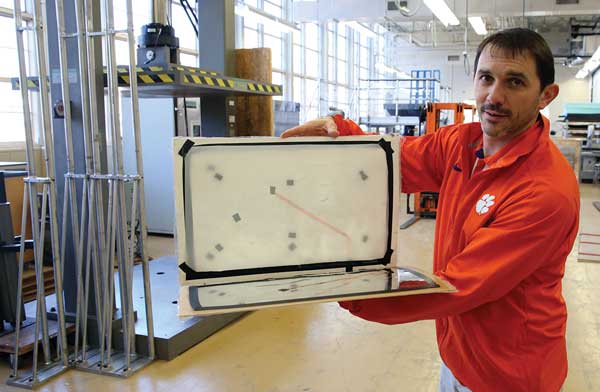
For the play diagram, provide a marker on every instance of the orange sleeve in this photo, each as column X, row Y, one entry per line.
column 537, row 225
column 423, row 160
column 347, row 127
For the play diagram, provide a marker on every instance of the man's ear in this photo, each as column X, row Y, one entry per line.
column 548, row 94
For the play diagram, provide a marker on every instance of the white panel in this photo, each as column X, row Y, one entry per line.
column 271, row 222
column 252, row 206
column 271, row 205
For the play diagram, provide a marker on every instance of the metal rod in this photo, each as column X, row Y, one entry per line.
column 15, row 369
column 97, row 192
column 72, row 187
column 159, row 11
column 110, row 275
column 42, row 60
column 40, row 311
column 63, row 240
column 131, row 260
column 119, row 192
column 140, row 172
column 79, row 305
column 122, row 271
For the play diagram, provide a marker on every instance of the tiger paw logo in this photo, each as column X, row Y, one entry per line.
column 484, row 204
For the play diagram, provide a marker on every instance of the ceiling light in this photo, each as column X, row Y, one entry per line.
column 590, row 65
column 441, row 10
column 256, row 15
column 478, row 25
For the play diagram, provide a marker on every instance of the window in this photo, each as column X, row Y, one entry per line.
column 341, row 72
column 250, row 38
column 346, row 54
column 276, row 54
column 312, row 63
column 11, row 112
column 277, row 78
column 11, row 105
column 312, row 36
column 298, row 89
column 297, row 59
column 273, row 8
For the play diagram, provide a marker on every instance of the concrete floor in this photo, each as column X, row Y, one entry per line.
column 323, row 348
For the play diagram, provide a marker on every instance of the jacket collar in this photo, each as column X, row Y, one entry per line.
column 522, row 145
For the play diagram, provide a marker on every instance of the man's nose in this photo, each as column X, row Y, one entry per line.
column 496, row 94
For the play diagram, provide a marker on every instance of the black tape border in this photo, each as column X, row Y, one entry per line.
column 191, row 274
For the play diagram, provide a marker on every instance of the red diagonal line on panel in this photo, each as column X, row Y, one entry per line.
column 312, row 216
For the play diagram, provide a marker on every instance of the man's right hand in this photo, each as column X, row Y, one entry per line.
column 324, row 126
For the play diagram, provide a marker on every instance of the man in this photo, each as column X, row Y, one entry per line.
column 507, row 218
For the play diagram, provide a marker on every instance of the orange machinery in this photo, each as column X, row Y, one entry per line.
column 425, row 203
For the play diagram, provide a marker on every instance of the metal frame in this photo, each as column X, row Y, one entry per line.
column 107, row 234
column 103, row 232
column 53, row 365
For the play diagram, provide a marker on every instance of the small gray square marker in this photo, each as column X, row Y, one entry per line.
column 236, row 217
column 210, row 256
column 218, row 176
column 272, row 190
column 219, row 247
column 292, row 247
column 365, row 238
column 363, row 175
column 211, row 167
column 290, row 182
column 291, row 234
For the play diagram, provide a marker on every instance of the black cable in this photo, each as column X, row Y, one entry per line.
column 184, row 4
column 185, row 115
column 187, row 13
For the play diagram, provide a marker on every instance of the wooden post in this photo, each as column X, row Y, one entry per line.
column 254, row 114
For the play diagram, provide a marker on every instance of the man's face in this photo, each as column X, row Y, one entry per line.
column 508, row 93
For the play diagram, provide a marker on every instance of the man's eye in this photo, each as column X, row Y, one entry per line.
column 485, row 78
column 516, row 82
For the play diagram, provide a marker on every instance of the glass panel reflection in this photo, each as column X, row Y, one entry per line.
column 307, row 287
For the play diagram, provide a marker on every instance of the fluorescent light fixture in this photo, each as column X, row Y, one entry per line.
column 590, row 65
column 256, row 15
column 441, row 10
column 359, row 27
column 478, row 25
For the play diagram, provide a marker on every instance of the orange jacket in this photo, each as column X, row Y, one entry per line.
column 502, row 238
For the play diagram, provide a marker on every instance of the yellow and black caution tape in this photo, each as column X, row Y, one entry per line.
column 178, row 74
column 145, row 75
column 194, row 76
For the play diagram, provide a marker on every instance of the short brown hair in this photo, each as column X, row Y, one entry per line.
column 518, row 41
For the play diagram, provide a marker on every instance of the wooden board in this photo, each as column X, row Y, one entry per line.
column 254, row 114
column 30, row 285
column 27, row 337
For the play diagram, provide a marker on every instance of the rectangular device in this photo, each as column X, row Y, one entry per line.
column 268, row 221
